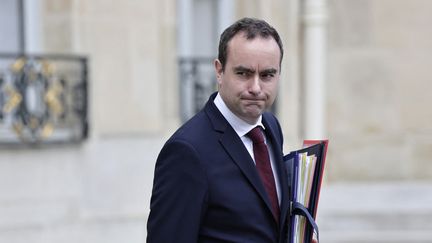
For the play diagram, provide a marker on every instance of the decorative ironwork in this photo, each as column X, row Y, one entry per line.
column 197, row 82
column 43, row 99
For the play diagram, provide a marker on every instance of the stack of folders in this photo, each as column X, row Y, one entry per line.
column 305, row 169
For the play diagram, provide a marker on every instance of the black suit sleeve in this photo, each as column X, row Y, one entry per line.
column 179, row 194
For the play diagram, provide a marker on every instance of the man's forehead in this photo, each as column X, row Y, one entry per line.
column 239, row 40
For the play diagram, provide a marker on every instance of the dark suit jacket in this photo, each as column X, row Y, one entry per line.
column 206, row 187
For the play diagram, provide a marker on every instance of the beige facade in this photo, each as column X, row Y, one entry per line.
column 378, row 117
column 378, row 101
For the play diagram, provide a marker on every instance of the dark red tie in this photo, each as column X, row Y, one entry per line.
column 262, row 161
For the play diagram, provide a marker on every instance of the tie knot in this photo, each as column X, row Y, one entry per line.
column 256, row 135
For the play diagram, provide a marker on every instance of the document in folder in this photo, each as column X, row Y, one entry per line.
column 305, row 169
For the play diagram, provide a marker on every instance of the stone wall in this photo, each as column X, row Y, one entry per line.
column 98, row 191
column 132, row 60
column 379, row 116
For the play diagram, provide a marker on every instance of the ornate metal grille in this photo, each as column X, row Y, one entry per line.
column 43, row 99
column 197, row 82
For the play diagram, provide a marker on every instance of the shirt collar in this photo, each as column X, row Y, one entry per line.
column 240, row 126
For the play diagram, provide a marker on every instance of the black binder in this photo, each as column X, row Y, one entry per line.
column 300, row 211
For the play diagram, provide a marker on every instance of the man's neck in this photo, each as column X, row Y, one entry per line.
column 239, row 125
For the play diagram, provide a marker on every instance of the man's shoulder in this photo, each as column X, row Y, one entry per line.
column 194, row 128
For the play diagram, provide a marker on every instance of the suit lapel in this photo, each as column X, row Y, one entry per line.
column 235, row 148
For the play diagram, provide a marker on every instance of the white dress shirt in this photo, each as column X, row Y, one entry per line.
column 242, row 128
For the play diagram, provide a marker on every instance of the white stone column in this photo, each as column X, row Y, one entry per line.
column 314, row 68
column 185, row 25
column 33, row 26
column 226, row 13
column 185, row 50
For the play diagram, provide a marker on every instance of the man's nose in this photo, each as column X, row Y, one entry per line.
column 255, row 85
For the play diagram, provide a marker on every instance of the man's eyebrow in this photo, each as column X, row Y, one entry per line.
column 270, row 71
column 243, row 69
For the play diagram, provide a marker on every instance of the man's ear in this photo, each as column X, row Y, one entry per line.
column 218, row 69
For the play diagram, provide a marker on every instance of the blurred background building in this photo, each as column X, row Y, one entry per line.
column 355, row 71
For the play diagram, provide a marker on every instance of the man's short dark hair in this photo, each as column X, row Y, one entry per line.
column 252, row 28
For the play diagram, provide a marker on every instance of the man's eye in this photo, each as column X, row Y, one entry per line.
column 240, row 73
column 267, row 75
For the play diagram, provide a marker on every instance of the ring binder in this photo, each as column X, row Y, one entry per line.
column 305, row 168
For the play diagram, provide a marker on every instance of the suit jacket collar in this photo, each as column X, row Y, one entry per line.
column 233, row 145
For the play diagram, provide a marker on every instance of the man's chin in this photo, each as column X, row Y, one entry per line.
column 253, row 115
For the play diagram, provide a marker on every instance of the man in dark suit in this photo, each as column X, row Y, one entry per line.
column 209, row 184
